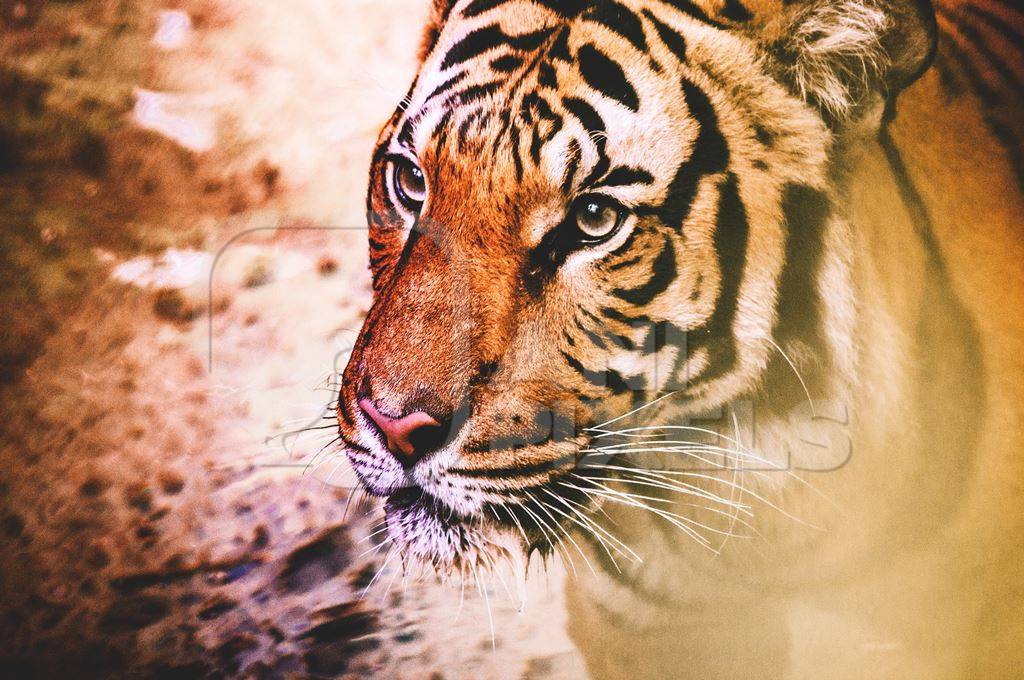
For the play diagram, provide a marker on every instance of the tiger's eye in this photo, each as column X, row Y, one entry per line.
column 598, row 218
column 410, row 184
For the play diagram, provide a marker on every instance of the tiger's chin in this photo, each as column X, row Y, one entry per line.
column 427, row 532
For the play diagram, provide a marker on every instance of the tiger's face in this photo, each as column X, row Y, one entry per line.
column 579, row 207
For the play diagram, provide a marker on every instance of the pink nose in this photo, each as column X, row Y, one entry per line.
column 408, row 437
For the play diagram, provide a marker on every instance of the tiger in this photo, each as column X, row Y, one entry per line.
column 714, row 299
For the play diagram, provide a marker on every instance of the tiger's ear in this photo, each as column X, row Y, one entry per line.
column 439, row 11
column 843, row 56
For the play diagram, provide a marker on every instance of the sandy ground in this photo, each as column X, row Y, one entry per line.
column 182, row 269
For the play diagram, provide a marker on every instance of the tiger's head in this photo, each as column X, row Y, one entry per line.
column 581, row 205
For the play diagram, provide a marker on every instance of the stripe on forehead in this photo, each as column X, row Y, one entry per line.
column 461, row 72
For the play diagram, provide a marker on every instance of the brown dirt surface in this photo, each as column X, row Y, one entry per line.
column 167, row 508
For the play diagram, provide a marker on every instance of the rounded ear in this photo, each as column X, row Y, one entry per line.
column 438, row 15
column 841, row 56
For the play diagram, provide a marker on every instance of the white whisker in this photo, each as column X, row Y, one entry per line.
column 558, row 537
column 634, row 500
column 645, row 479
column 569, row 536
column 633, row 412
column 795, row 371
column 482, row 589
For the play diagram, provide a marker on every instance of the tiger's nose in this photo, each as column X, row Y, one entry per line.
column 410, row 437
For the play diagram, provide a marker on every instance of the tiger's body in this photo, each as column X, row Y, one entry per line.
column 702, row 211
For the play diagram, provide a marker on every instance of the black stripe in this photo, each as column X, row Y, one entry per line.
column 980, row 43
column 619, row 19
column 607, row 77
column 556, row 127
column 575, row 155
column 593, row 317
column 661, row 335
column 498, row 139
column 345, row 440
column 506, row 64
column 710, row 154
column 731, row 236
column 734, row 10
column 539, row 140
column 525, row 113
column 991, row 98
column 592, row 123
column 711, row 147
column 600, row 168
column 568, row 9
column 547, row 75
column 588, row 117
column 504, row 122
column 997, row 23
column 988, row 95
column 473, row 45
column 805, row 209
column 594, row 337
column 616, row 315
column 516, row 135
column 547, row 257
column 543, row 108
column 663, row 273
column 473, row 93
column 624, row 263
column 1007, row 138
column 475, row 120
column 765, row 136
column 560, row 48
column 619, row 341
column 693, row 10
column 478, row 7
column 607, row 379
column 527, row 42
column 447, row 85
column 535, row 145
column 440, row 131
column 512, row 473
column 673, row 40
column 625, row 176
column 405, row 134
column 464, row 127
column 799, row 311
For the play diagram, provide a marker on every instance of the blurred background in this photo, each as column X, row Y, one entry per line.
column 167, row 505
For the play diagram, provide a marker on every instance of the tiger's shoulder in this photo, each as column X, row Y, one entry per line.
column 957, row 136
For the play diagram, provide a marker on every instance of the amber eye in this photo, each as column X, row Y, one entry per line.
column 409, row 183
column 597, row 218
